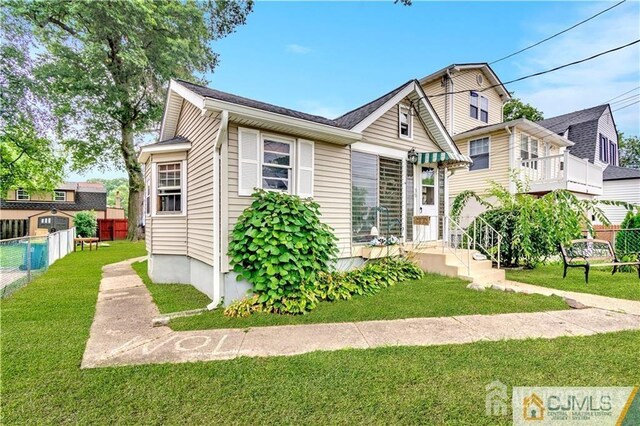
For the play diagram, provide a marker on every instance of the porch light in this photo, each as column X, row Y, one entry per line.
column 412, row 156
column 374, row 231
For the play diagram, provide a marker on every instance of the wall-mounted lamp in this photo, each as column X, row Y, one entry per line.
column 412, row 156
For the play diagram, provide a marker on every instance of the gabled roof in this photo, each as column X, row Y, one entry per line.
column 84, row 200
column 582, row 127
column 483, row 66
column 620, row 173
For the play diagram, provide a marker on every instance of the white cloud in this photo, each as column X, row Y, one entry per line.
column 593, row 82
column 298, row 49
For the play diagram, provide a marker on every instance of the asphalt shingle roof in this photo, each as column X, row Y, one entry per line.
column 83, row 201
column 175, row 140
column 619, row 173
column 583, row 129
column 345, row 121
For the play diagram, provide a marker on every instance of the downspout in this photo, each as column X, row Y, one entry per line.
column 512, row 156
column 217, row 264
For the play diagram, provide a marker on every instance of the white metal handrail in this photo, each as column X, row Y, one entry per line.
column 487, row 238
column 454, row 239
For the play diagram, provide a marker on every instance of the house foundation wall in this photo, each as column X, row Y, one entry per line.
column 173, row 269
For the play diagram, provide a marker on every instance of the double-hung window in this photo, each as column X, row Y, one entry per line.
column 276, row 164
column 478, row 107
column 604, row 149
column 170, row 188
column 22, row 195
column 528, row 151
column 479, row 153
column 147, row 197
column 59, row 196
column 613, row 153
column 405, row 121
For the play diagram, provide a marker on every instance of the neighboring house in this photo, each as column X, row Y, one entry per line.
column 215, row 148
column 595, row 137
column 44, row 212
column 469, row 98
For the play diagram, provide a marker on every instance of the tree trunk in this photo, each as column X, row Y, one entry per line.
column 136, row 184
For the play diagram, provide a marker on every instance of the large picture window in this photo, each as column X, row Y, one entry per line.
column 479, row 153
column 276, row 164
column 169, row 188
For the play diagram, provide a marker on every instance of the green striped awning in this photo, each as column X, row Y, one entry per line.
column 442, row 157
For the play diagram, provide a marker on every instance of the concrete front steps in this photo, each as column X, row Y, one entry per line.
column 434, row 259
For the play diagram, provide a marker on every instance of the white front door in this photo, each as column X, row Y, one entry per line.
column 427, row 202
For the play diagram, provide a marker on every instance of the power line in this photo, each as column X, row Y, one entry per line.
column 557, row 34
column 624, row 99
column 542, row 72
column 622, row 94
column 626, row 106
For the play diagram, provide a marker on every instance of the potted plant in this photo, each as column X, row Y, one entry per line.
column 382, row 247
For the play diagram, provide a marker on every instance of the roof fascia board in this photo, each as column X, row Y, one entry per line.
column 147, row 150
column 270, row 117
column 176, row 89
column 483, row 66
column 522, row 123
column 371, row 118
column 435, row 118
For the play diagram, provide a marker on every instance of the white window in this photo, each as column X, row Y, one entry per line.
column 529, row 151
column 147, row 197
column 478, row 107
column 169, row 188
column 479, row 153
column 59, row 196
column 276, row 164
column 405, row 122
column 22, row 195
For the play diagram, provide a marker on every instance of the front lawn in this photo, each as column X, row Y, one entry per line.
column 433, row 296
column 45, row 327
column 623, row 285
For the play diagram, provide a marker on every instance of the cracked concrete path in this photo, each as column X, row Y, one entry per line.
column 122, row 333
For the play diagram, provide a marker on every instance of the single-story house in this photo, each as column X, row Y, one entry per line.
column 43, row 212
column 215, row 148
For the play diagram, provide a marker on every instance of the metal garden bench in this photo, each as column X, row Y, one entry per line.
column 590, row 253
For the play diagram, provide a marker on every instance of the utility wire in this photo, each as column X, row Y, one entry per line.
column 624, row 99
column 542, row 72
column 623, row 107
column 622, row 94
column 557, row 34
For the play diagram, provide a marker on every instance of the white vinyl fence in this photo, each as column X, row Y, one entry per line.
column 22, row 259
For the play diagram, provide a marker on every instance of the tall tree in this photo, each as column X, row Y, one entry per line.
column 629, row 148
column 515, row 109
column 105, row 65
column 28, row 159
column 116, row 187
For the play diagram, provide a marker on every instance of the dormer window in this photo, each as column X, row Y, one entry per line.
column 22, row 195
column 478, row 107
column 59, row 196
column 405, row 122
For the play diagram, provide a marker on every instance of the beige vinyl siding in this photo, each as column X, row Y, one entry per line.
column 331, row 186
column 168, row 231
column 466, row 81
column 384, row 132
column 201, row 132
column 148, row 238
column 478, row 180
column 439, row 103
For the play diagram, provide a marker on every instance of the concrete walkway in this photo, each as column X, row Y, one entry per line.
column 122, row 333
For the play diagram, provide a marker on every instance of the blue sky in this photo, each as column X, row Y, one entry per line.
column 327, row 58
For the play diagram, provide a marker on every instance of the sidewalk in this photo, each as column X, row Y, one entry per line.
column 122, row 334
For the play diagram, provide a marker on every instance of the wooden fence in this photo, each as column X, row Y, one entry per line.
column 13, row 228
column 112, row 229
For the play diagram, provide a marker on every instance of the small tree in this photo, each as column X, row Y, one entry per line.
column 628, row 239
column 515, row 109
column 629, row 151
column 86, row 224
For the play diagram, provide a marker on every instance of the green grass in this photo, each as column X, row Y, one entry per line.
column 172, row 297
column 432, row 296
column 623, row 285
column 45, row 327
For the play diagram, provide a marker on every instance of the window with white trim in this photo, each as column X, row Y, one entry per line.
column 276, row 164
column 22, row 195
column 479, row 153
column 147, row 197
column 405, row 122
column 604, row 148
column 170, row 188
column 59, row 196
column 529, row 151
column 613, row 153
column 478, row 107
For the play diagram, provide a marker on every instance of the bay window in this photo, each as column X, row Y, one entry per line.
column 170, row 188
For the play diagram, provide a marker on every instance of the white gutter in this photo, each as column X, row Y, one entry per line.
column 221, row 137
column 147, row 150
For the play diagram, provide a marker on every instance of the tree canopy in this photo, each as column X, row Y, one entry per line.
column 515, row 109
column 105, row 65
column 629, row 148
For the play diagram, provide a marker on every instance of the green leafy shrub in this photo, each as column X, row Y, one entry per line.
column 242, row 308
column 280, row 246
column 628, row 239
column 86, row 224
